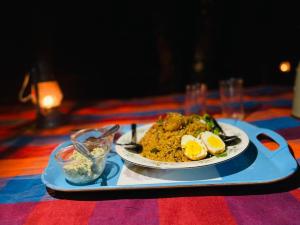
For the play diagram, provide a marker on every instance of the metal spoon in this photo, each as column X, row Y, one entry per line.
column 228, row 140
column 93, row 142
column 217, row 125
column 133, row 145
column 110, row 131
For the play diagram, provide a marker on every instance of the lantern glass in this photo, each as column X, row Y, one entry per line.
column 50, row 94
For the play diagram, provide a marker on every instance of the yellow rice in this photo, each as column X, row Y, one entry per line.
column 162, row 142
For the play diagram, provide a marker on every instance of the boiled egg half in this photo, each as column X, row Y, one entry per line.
column 213, row 142
column 193, row 148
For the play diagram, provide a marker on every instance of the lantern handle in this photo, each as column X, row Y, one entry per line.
column 23, row 98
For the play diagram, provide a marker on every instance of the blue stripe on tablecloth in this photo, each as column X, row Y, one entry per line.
column 23, row 189
column 251, row 104
column 274, row 103
column 35, row 140
column 278, row 123
column 269, row 91
column 278, row 103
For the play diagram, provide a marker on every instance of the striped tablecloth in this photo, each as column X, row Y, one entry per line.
column 24, row 153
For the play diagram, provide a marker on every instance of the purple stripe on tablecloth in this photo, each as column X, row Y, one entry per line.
column 290, row 133
column 15, row 213
column 126, row 212
column 279, row 208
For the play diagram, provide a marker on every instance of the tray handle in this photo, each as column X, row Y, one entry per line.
column 282, row 144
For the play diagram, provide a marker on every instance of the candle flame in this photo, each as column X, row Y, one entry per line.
column 47, row 102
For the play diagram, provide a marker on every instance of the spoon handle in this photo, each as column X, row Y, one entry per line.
column 92, row 141
column 133, row 133
column 111, row 130
column 130, row 144
column 83, row 150
column 218, row 125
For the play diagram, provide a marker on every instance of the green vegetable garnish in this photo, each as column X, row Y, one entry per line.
column 223, row 154
column 216, row 131
column 212, row 124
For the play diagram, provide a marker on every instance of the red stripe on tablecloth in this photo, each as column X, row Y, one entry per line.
column 295, row 147
column 30, row 151
column 22, row 167
column 15, row 213
column 194, row 210
column 4, row 132
column 268, row 114
column 30, row 114
column 61, row 212
column 126, row 212
column 66, row 129
column 272, row 146
column 296, row 193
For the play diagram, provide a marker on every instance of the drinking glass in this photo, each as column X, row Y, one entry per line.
column 231, row 94
column 195, row 99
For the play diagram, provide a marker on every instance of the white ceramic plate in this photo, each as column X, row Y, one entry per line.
column 232, row 151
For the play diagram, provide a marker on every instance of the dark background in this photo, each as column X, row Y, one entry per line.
column 124, row 50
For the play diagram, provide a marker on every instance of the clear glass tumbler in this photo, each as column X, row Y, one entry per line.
column 231, row 94
column 195, row 99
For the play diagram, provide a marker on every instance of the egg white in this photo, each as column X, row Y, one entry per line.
column 188, row 142
column 212, row 149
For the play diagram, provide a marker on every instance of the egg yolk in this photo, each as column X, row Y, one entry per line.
column 192, row 148
column 215, row 142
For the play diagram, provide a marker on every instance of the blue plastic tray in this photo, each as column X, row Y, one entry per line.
column 256, row 165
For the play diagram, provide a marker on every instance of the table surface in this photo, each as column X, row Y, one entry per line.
column 25, row 150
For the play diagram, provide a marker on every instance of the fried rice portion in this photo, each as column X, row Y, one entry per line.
column 162, row 142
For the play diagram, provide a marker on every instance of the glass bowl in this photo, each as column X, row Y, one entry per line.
column 77, row 168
